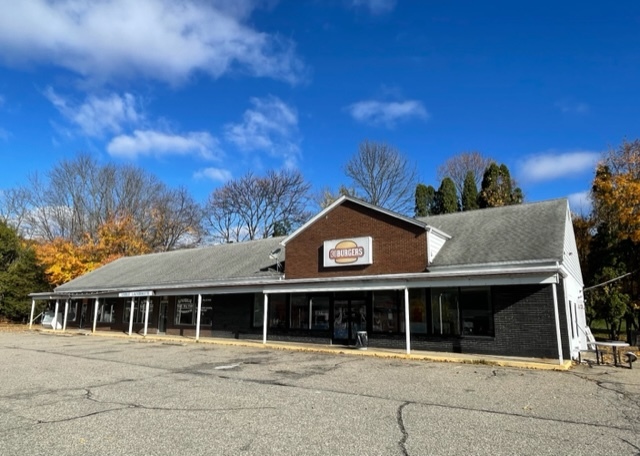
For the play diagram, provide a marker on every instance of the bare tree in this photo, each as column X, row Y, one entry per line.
column 80, row 195
column 459, row 165
column 383, row 176
column 252, row 207
column 13, row 207
column 325, row 197
column 223, row 221
column 176, row 221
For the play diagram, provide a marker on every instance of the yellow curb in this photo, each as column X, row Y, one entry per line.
column 445, row 358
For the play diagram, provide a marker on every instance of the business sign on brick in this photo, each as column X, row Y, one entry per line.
column 348, row 252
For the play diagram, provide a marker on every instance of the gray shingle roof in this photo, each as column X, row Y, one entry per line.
column 214, row 265
column 511, row 234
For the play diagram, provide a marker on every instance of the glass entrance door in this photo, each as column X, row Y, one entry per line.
column 162, row 317
column 349, row 317
column 83, row 315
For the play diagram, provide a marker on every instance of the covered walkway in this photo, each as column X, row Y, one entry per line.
column 420, row 355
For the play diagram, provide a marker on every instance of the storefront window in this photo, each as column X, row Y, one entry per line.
column 258, row 310
column 206, row 311
column 319, row 310
column 277, row 311
column 105, row 311
column 139, row 306
column 445, row 312
column 184, row 310
column 127, row 310
column 385, row 312
column 477, row 312
column 462, row 311
column 418, row 310
column 299, row 312
column 73, row 311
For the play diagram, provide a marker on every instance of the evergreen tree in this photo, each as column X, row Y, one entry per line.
column 446, row 199
column 469, row 193
column 19, row 275
column 497, row 188
column 421, row 201
column 425, row 200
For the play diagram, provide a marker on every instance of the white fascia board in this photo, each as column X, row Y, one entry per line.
column 46, row 296
column 438, row 232
column 540, row 275
column 238, row 286
column 436, row 282
column 566, row 273
column 499, row 267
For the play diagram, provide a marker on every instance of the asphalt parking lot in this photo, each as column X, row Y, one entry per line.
column 78, row 395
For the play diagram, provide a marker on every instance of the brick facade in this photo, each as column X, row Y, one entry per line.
column 398, row 246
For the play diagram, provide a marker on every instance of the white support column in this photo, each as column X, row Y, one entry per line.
column 407, row 326
column 33, row 308
column 146, row 316
column 66, row 312
column 554, row 290
column 198, row 317
column 55, row 312
column 95, row 315
column 265, row 318
column 133, row 304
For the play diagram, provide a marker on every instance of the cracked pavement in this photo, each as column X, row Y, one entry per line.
column 72, row 395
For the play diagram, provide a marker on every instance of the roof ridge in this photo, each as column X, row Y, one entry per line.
column 493, row 209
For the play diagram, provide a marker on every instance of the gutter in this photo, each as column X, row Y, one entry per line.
column 263, row 284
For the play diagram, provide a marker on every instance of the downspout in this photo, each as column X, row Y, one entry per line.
column 554, row 289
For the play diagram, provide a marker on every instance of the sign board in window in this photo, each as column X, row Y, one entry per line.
column 348, row 252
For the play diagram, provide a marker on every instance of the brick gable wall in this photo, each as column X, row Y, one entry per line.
column 398, row 246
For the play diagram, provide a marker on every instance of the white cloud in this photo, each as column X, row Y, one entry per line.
column 387, row 113
column 550, row 166
column 214, row 174
column 160, row 144
column 97, row 116
column 376, row 6
column 569, row 107
column 271, row 126
column 580, row 203
column 159, row 39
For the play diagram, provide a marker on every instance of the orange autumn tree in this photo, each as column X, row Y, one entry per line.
column 615, row 246
column 616, row 191
column 118, row 237
column 63, row 260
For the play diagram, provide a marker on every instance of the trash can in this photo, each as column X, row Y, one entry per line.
column 362, row 340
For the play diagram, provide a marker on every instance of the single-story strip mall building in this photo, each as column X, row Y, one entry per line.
column 500, row 281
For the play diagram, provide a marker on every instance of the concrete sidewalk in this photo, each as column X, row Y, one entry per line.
column 502, row 361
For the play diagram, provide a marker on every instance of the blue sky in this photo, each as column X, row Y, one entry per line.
column 198, row 92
